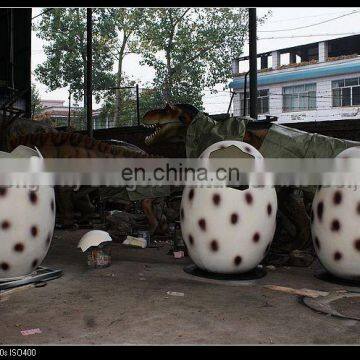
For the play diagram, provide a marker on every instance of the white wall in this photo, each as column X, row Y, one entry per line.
column 324, row 110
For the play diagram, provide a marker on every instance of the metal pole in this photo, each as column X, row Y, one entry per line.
column 231, row 99
column 137, row 104
column 69, row 113
column 253, row 62
column 12, row 77
column 89, row 121
column 245, row 93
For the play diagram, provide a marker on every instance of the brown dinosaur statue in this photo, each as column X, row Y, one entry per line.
column 74, row 145
column 170, row 123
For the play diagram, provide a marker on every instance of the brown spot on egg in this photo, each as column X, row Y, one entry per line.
column 320, row 210
column 33, row 197
column 202, row 224
column 214, row 245
column 191, row 194
column 337, row 256
column 19, row 247
column 357, row 244
column 4, row 266
column 216, row 199
column 35, row 263
column 234, row 218
column 337, row 197
column 269, row 209
column 335, row 225
column 34, row 230
column 3, row 191
column 182, row 214
column 256, row 237
column 237, row 260
column 191, row 240
column 248, row 198
column 5, row 225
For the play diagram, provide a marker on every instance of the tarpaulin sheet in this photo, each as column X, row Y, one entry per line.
column 285, row 142
column 204, row 131
column 281, row 141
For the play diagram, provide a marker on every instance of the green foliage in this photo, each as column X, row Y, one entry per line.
column 64, row 33
column 192, row 48
column 36, row 107
column 148, row 100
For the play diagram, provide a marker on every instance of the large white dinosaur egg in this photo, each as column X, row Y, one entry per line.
column 228, row 230
column 336, row 226
column 27, row 220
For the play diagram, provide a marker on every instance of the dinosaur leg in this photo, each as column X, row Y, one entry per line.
column 291, row 204
column 147, row 206
column 65, row 206
column 83, row 204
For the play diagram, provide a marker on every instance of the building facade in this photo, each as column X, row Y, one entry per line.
column 313, row 82
column 57, row 113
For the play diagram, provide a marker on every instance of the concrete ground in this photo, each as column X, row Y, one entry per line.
column 127, row 303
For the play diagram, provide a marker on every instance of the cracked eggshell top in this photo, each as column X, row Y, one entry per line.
column 93, row 238
column 335, row 221
column 228, row 230
column 27, row 220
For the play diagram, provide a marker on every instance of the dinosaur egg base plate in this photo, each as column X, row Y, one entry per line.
column 257, row 273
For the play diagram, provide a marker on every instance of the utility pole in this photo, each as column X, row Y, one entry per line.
column 253, row 63
column 89, row 121
column 69, row 111
column 137, row 104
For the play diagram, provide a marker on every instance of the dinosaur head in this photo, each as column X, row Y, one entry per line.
column 169, row 123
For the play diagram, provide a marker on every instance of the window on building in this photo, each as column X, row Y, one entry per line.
column 299, row 97
column 346, row 92
column 262, row 102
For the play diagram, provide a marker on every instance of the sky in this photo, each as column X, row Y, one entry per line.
column 279, row 31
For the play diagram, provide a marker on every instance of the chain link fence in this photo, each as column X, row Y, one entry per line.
column 121, row 107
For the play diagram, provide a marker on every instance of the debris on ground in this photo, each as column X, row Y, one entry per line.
column 30, row 332
column 301, row 258
column 4, row 295
column 136, row 242
column 341, row 304
column 175, row 293
column 178, row 254
column 271, row 267
column 300, row 292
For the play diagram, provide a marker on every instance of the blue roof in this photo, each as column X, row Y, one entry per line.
column 301, row 74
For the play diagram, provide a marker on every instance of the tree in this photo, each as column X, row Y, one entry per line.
column 64, row 32
column 192, row 48
column 36, row 106
column 127, row 22
column 148, row 99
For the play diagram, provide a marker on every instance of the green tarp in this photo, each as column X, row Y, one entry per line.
column 281, row 141
column 285, row 142
column 204, row 131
